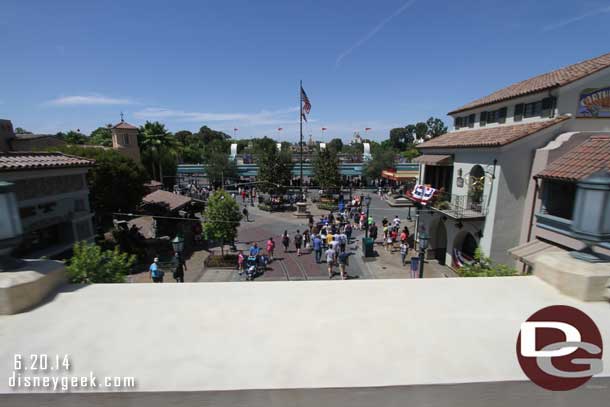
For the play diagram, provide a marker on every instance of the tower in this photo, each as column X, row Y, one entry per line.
column 125, row 140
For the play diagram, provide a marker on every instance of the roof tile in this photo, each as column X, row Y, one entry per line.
column 549, row 80
column 495, row 136
column 15, row 161
column 587, row 158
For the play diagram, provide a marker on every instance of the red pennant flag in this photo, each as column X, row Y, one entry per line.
column 367, row 129
column 280, row 129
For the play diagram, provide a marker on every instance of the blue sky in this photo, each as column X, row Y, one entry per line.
column 227, row 64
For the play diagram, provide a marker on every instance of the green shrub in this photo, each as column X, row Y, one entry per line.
column 483, row 266
column 328, row 206
column 264, row 207
column 90, row 264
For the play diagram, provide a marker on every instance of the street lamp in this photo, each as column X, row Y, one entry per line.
column 591, row 222
column 423, row 245
column 10, row 226
column 178, row 244
column 367, row 201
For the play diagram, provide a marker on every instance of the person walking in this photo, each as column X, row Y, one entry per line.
column 404, row 249
column 373, row 231
column 270, row 248
column 243, row 195
column 285, row 241
column 330, row 260
column 342, row 242
column 317, row 248
column 335, row 245
column 388, row 244
column 155, row 273
column 240, row 262
column 245, row 213
column 348, row 231
column 179, row 268
column 329, row 238
column 403, row 235
column 298, row 241
column 343, row 263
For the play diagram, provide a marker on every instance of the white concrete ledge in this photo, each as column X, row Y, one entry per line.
column 26, row 287
column 576, row 278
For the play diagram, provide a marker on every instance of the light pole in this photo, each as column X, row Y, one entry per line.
column 367, row 201
column 178, row 244
column 423, row 245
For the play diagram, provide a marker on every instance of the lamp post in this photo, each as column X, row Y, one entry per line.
column 423, row 245
column 591, row 221
column 178, row 244
column 367, row 201
column 10, row 226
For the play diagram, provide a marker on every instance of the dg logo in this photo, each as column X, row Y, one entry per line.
column 560, row 348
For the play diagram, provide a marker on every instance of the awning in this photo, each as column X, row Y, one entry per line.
column 400, row 175
column 434, row 159
column 527, row 252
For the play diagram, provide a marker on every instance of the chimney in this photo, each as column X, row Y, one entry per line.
column 6, row 135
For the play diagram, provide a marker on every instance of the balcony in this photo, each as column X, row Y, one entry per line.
column 459, row 206
column 554, row 223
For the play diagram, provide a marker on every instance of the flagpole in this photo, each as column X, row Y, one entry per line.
column 301, row 125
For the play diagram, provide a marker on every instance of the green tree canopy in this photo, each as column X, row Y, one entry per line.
column 222, row 217
column 383, row 159
column 326, row 169
column 20, row 130
column 218, row 165
column 101, row 136
column 158, row 147
column 73, row 137
column 436, row 127
column 90, row 264
column 116, row 182
column 274, row 168
column 208, row 135
column 335, row 144
column 402, row 137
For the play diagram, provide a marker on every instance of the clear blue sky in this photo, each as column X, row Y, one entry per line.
column 226, row 64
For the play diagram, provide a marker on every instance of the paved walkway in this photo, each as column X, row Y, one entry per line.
column 290, row 267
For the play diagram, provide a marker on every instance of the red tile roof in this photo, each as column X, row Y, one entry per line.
column 550, row 80
column 173, row 201
column 124, row 125
column 496, row 136
column 13, row 161
column 585, row 159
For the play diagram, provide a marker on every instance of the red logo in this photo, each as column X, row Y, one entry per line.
column 560, row 348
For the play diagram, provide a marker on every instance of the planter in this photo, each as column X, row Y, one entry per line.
column 217, row 261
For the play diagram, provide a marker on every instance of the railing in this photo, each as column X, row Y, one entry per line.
column 459, row 206
column 554, row 223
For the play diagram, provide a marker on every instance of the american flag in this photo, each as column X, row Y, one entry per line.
column 367, row 129
column 235, row 129
column 306, row 104
column 280, row 128
column 323, row 128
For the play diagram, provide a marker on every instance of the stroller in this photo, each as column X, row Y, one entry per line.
column 252, row 268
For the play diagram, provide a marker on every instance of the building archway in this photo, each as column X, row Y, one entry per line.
column 476, row 185
column 464, row 247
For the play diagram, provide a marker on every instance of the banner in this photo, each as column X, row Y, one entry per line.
column 594, row 103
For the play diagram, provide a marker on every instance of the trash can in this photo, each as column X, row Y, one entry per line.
column 414, row 267
column 367, row 246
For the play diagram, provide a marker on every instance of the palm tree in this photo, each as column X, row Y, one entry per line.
column 157, row 144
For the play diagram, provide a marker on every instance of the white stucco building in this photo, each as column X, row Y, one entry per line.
column 484, row 167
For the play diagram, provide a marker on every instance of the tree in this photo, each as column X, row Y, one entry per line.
column 90, row 264
column 326, row 169
column 401, row 137
column 335, row 144
column 383, row 159
column 208, row 135
column 101, row 136
column 436, row 127
column 483, row 266
column 222, row 217
column 184, row 137
column 20, row 130
column 157, row 145
column 421, row 130
column 74, row 137
column 274, row 169
column 116, row 182
column 219, row 167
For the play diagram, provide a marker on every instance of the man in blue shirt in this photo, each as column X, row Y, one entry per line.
column 317, row 248
column 155, row 273
column 254, row 250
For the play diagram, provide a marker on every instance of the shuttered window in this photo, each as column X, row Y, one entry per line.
column 548, row 106
column 502, row 115
column 518, row 112
column 483, row 119
column 471, row 120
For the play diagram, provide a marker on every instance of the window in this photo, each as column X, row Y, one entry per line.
column 125, row 139
column 539, row 108
column 497, row 116
column 483, row 119
column 558, row 198
column 518, row 116
column 471, row 120
column 533, row 109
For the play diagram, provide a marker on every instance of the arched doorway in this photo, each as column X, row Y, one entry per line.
column 440, row 242
column 464, row 247
column 476, row 186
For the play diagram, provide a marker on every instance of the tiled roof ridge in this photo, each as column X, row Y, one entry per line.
column 538, row 83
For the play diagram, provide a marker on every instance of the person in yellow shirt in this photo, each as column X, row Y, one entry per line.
column 329, row 239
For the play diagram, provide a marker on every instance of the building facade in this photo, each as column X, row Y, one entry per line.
column 482, row 170
column 125, row 140
column 53, row 200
